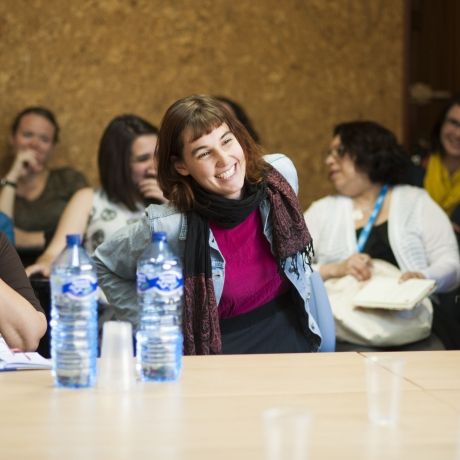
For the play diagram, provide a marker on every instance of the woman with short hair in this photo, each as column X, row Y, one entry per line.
column 374, row 216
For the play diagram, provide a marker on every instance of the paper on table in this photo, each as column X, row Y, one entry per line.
column 389, row 293
column 10, row 360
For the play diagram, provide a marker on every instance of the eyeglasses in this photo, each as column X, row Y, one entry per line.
column 338, row 152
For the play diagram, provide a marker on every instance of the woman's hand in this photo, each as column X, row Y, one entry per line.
column 42, row 265
column 25, row 161
column 44, row 269
column 411, row 275
column 358, row 265
column 150, row 190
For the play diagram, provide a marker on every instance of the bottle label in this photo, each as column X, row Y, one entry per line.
column 81, row 287
column 165, row 283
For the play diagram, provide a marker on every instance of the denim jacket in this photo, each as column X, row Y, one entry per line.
column 116, row 258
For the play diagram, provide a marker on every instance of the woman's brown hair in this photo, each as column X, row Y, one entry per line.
column 201, row 114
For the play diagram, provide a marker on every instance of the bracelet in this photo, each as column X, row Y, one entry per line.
column 4, row 182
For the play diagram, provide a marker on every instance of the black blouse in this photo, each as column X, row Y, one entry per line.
column 378, row 243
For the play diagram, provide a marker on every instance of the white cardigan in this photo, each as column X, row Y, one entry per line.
column 420, row 234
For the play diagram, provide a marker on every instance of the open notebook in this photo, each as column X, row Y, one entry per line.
column 13, row 360
column 389, row 293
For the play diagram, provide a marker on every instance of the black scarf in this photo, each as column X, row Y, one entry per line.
column 290, row 236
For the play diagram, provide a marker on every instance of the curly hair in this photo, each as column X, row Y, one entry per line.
column 201, row 114
column 374, row 150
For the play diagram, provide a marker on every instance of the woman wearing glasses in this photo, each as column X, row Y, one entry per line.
column 374, row 216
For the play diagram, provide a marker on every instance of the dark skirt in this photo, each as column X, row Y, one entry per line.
column 275, row 327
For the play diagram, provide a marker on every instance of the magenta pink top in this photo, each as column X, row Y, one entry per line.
column 251, row 271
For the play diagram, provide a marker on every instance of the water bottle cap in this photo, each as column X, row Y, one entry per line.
column 73, row 240
column 159, row 236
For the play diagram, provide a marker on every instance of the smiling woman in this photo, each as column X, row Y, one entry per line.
column 33, row 195
column 127, row 173
column 216, row 161
column 375, row 216
column 368, row 177
column 442, row 178
column 234, row 217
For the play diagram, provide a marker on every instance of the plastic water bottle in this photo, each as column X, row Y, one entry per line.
column 160, row 289
column 74, row 317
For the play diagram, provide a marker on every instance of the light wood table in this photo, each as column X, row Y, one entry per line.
column 214, row 411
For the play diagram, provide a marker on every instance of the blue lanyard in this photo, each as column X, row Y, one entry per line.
column 363, row 237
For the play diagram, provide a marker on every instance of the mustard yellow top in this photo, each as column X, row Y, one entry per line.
column 443, row 187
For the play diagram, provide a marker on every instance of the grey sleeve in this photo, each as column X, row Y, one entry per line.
column 116, row 261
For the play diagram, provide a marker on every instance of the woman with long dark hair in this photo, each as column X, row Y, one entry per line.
column 127, row 172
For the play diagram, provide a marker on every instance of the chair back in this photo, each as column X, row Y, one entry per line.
column 321, row 310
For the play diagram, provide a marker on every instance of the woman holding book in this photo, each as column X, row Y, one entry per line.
column 374, row 216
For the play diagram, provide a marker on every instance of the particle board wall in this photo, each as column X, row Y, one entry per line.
column 298, row 67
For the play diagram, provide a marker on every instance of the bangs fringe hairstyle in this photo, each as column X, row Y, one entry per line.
column 200, row 114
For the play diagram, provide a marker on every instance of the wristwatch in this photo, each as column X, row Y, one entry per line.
column 5, row 181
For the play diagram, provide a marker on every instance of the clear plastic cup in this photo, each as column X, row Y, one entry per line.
column 286, row 433
column 116, row 365
column 384, row 378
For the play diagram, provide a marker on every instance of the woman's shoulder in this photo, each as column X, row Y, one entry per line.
column 409, row 200
column 330, row 206
column 85, row 194
column 284, row 166
column 409, row 192
column 159, row 211
column 99, row 196
column 164, row 217
column 66, row 172
column 280, row 161
column 167, row 218
column 331, row 200
column 66, row 179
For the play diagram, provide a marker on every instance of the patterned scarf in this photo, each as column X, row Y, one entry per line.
column 290, row 236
